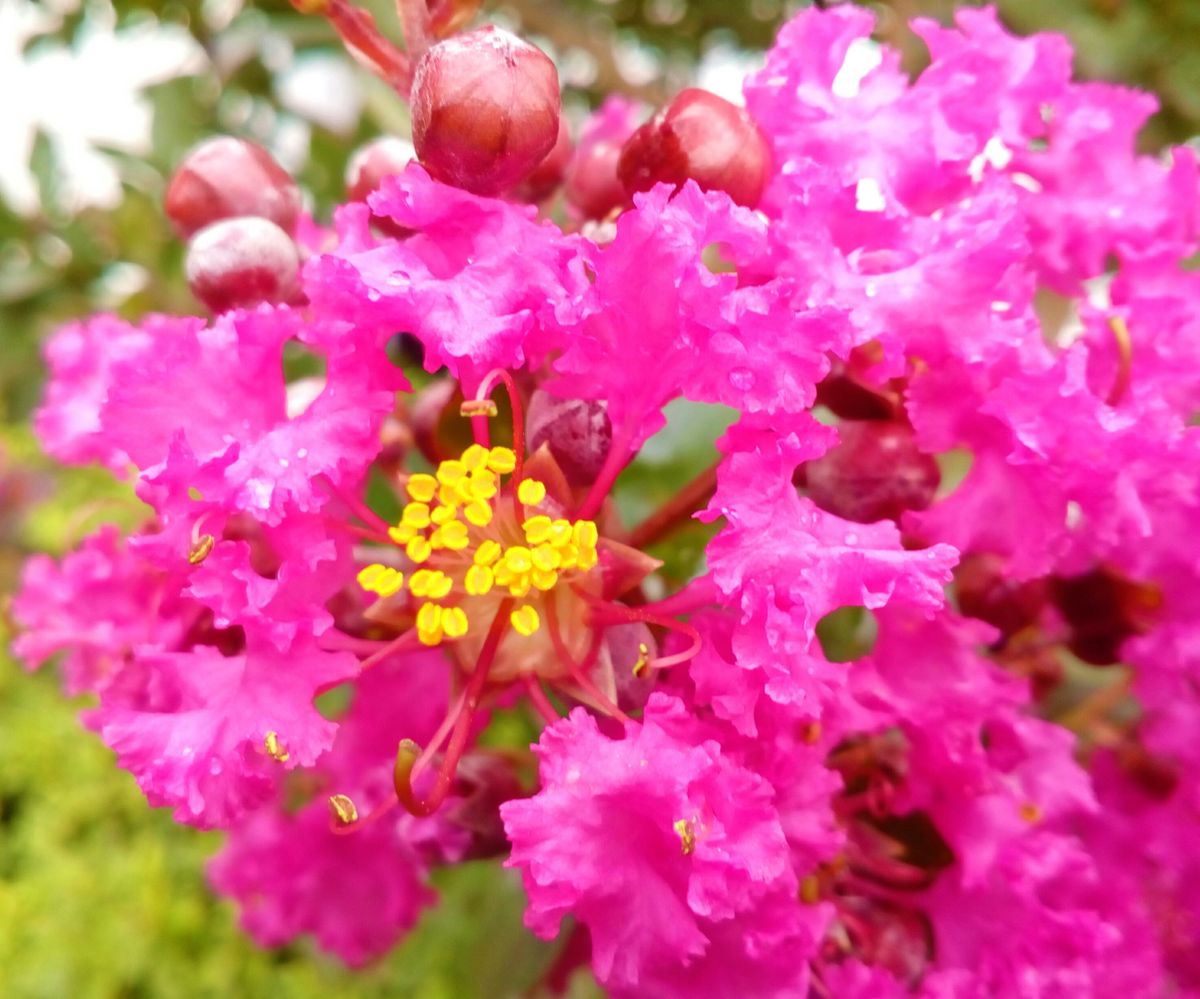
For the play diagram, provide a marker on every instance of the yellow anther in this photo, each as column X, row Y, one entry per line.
column 585, row 533
column 520, row 585
column 643, row 659
column 369, row 576
column 525, row 620
column 475, row 457
column 531, row 492
column 537, row 529
column 201, row 549
column 454, row 535
column 448, row 496
column 416, row 515
column 503, row 574
column 484, row 484
column 343, row 809
column 560, row 533
column 544, row 579
column 390, row 583
column 686, row 831
column 451, row 472
column 518, row 559
column 569, row 556
column 487, row 552
column 479, row 580
column 442, row 515
column 462, row 491
column 810, row 889
column 454, row 622
column 402, row 534
column 275, row 748
column 502, row 460
column 420, row 582
column 418, row 549
column 440, row 586
column 478, row 512
column 587, row 559
column 421, row 487
column 429, row 624
column 477, row 407
column 546, row 558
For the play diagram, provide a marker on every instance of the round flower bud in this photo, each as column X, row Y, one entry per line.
column 224, row 178
column 379, row 158
column 875, row 473
column 985, row 591
column 577, row 432
column 547, row 175
column 702, row 137
column 241, row 262
column 592, row 187
column 485, row 109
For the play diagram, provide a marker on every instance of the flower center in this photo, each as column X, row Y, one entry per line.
column 473, row 541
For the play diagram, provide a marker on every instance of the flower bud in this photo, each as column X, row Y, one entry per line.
column 380, row 158
column 241, row 262
column 577, row 432
column 547, row 175
column 226, row 177
column 1103, row 609
column 702, row 137
column 485, row 109
column 985, row 591
column 593, row 188
column 875, row 473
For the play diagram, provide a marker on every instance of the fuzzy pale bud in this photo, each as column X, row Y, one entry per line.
column 577, row 432
column 485, row 108
column 238, row 263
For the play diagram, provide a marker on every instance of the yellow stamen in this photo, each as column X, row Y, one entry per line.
column 479, row 580
column 440, row 586
column 201, row 549
column 416, row 515
column 429, row 624
column 502, row 460
column 402, row 534
column 451, row 472
column 369, row 576
column 546, row 558
column 531, row 492
column 418, row 549
column 421, row 487
column 518, row 559
column 544, row 579
column 520, row 585
column 487, row 552
column 525, row 620
column 442, row 515
column 454, row 535
column 343, row 809
column 686, row 832
column 537, row 529
column 478, row 513
column 477, row 407
column 560, row 533
column 275, row 748
column 586, row 534
column 454, row 622
column 475, row 457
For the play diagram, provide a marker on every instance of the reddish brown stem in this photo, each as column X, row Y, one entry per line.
column 576, row 671
column 358, row 31
column 676, row 511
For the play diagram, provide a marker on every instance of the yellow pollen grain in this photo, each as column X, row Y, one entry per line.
column 418, row 549
column 487, row 552
column 587, row 559
column 560, row 533
column 421, row 487
column 585, row 533
column 479, row 580
column 686, row 832
column 275, row 748
column 440, row 586
column 502, row 460
column 568, row 557
column 448, row 496
column 454, row 622
column 429, row 624
column 531, row 492
column 479, row 513
column 451, row 472
column 525, row 620
column 546, row 558
column 420, row 582
column 537, row 529
column 402, row 534
column 518, row 559
column 416, row 515
column 484, row 484
column 475, row 457
column 462, row 491
column 442, row 515
column 544, row 579
column 454, row 535
column 391, row 583
column 370, row 575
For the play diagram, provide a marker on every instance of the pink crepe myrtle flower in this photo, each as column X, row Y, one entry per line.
column 955, row 343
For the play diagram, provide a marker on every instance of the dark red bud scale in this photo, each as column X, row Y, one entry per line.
column 702, row 137
column 242, row 262
column 226, row 178
column 577, row 431
column 485, row 110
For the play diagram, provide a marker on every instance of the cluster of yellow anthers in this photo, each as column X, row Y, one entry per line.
column 468, row 546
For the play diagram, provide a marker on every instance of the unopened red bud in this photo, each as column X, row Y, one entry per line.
column 378, row 159
column 1103, row 609
column 876, row 472
column 225, row 178
column 238, row 263
column 577, row 432
column 702, row 137
column 547, row 175
column 985, row 591
column 592, row 186
column 485, row 109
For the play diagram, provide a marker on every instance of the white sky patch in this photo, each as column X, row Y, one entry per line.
column 724, row 68
column 868, row 196
column 82, row 98
column 862, row 57
column 322, row 87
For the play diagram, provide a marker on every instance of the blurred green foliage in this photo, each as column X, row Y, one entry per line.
column 99, row 895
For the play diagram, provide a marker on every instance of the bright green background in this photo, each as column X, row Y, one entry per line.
column 100, row 896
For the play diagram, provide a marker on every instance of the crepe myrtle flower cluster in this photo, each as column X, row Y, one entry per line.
column 954, row 319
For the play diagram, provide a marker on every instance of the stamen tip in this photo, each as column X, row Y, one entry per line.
column 478, row 407
column 345, row 812
column 201, row 549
